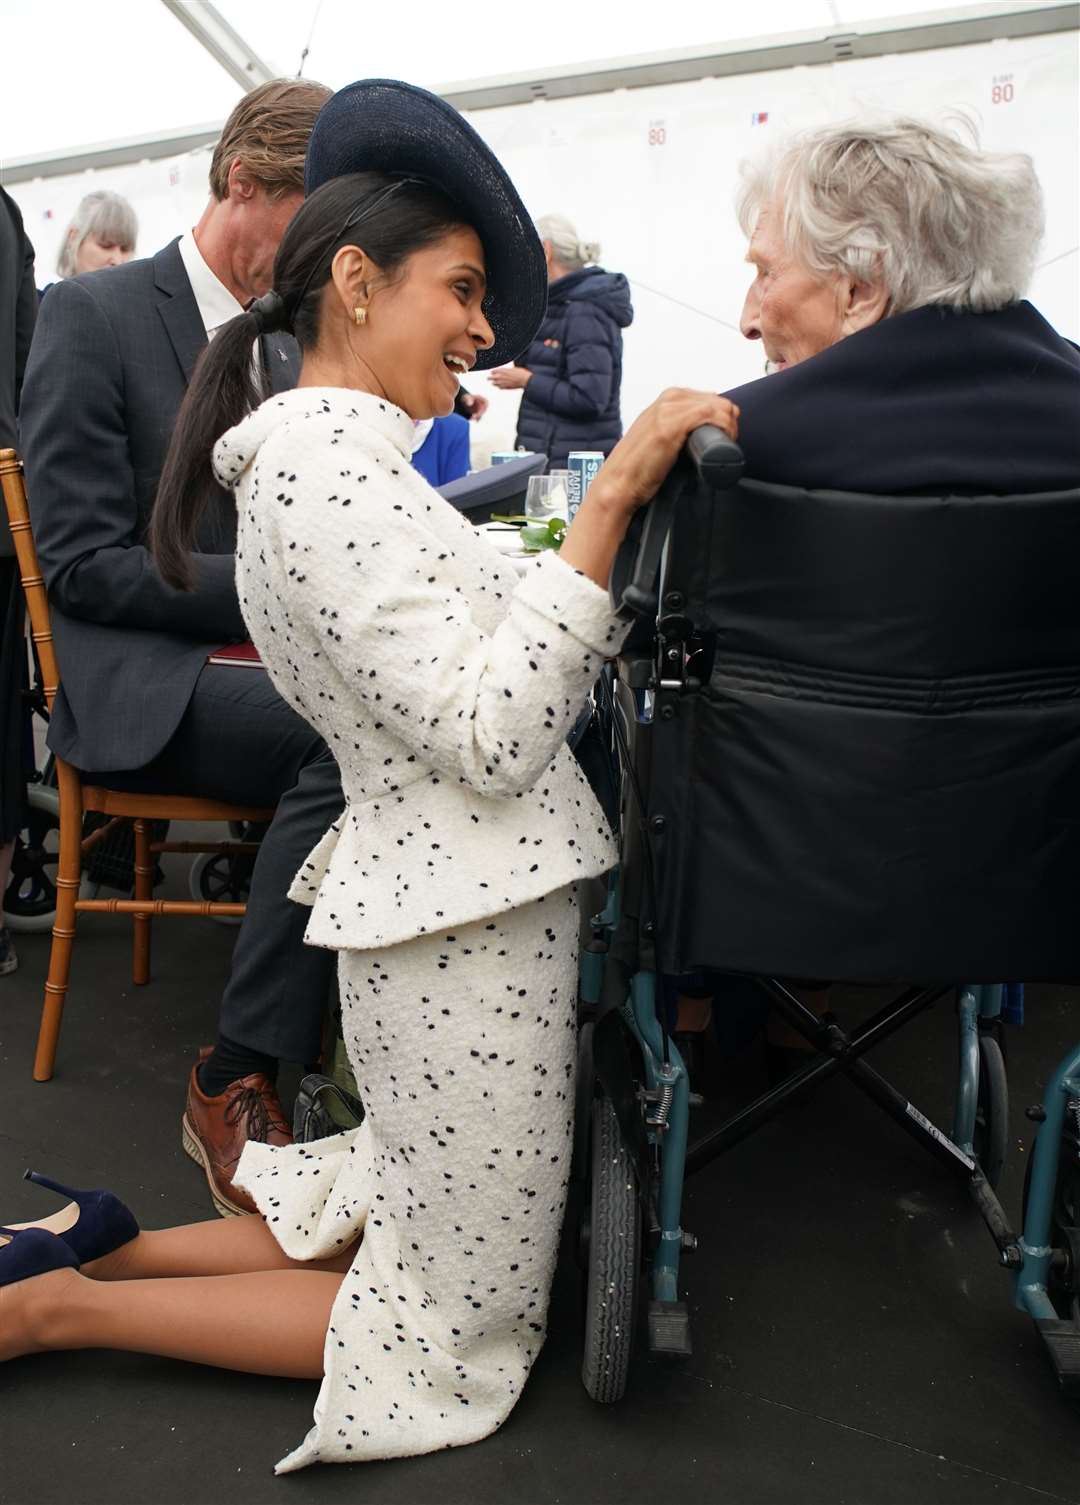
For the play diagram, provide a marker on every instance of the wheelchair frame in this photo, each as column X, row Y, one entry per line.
column 630, row 1059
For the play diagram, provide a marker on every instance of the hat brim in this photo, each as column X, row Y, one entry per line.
column 383, row 125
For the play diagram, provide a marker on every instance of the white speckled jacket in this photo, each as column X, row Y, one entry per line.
column 444, row 686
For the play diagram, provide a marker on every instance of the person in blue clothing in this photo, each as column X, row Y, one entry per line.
column 441, row 449
column 571, row 374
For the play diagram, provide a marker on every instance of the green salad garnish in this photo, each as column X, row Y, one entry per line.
column 537, row 536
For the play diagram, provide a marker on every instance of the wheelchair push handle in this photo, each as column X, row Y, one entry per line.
column 718, row 460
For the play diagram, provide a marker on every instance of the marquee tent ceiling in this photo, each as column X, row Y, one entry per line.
column 128, row 70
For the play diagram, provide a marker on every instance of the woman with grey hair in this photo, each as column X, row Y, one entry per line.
column 102, row 233
column 890, row 261
column 570, row 376
column 890, row 264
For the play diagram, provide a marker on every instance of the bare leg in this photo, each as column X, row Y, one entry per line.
column 220, row 1246
column 270, row 1322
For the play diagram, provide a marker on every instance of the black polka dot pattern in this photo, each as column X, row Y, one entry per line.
column 444, row 685
column 445, row 688
column 463, row 1048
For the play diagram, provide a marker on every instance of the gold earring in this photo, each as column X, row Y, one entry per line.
column 360, row 315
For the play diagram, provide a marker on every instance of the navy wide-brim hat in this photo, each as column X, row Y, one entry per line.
column 383, row 125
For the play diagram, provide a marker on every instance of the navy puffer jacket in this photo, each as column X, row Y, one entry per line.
column 572, row 401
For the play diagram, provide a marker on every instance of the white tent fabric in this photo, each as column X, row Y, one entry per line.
column 649, row 172
column 89, row 73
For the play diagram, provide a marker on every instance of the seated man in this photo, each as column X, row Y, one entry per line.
column 889, row 267
column 139, row 707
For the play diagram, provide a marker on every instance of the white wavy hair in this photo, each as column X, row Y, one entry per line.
column 571, row 252
column 905, row 203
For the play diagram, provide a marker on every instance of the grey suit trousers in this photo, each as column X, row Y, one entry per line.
column 238, row 740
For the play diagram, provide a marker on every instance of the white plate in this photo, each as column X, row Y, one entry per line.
column 506, row 540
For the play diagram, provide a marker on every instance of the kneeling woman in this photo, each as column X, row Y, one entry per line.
column 408, row 1263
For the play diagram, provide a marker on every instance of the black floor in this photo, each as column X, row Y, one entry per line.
column 854, row 1338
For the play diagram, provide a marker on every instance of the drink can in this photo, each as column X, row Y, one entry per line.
column 583, row 465
column 504, row 456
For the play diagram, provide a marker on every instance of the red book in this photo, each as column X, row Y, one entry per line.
column 236, row 656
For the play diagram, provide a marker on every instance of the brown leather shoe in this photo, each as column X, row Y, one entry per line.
column 216, row 1130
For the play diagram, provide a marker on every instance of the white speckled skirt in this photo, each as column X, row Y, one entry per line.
column 463, row 1045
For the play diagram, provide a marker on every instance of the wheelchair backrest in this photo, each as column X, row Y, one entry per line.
column 879, row 776
column 926, row 588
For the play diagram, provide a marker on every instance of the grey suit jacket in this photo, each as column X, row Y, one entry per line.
column 112, row 355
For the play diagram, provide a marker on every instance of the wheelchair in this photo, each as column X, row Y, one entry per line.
column 847, row 735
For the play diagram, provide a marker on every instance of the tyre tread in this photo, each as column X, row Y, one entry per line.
column 614, row 1261
column 994, row 1099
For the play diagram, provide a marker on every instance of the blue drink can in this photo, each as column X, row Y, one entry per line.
column 504, row 456
column 583, row 465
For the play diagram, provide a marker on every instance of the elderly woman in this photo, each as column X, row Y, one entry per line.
column 102, row 233
column 890, row 262
column 571, row 375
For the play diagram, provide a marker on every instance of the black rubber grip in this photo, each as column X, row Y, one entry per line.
column 719, row 460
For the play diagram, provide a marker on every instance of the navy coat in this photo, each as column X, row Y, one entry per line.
column 572, row 401
column 934, row 401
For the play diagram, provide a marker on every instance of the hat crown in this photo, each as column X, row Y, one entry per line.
column 388, row 125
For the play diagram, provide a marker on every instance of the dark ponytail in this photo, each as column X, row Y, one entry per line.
column 221, row 392
column 389, row 218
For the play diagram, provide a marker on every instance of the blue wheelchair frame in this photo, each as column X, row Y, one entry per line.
column 666, row 1099
column 666, row 1085
column 1037, row 1257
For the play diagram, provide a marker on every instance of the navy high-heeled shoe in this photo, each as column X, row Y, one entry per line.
column 103, row 1224
column 33, row 1251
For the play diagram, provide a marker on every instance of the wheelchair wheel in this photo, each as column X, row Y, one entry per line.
column 222, row 880
column 992, row 1111
column 614, row 1260
column 30, row 897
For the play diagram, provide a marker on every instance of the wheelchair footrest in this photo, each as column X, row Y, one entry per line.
column 669, row 1328
column 1062, row 1343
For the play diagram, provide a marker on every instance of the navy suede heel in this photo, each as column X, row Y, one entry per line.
column 103, row 1224
column 33, row 1251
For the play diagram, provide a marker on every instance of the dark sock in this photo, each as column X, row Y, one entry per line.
column 228, row 1062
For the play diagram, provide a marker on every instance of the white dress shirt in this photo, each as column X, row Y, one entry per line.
column 216, row 304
